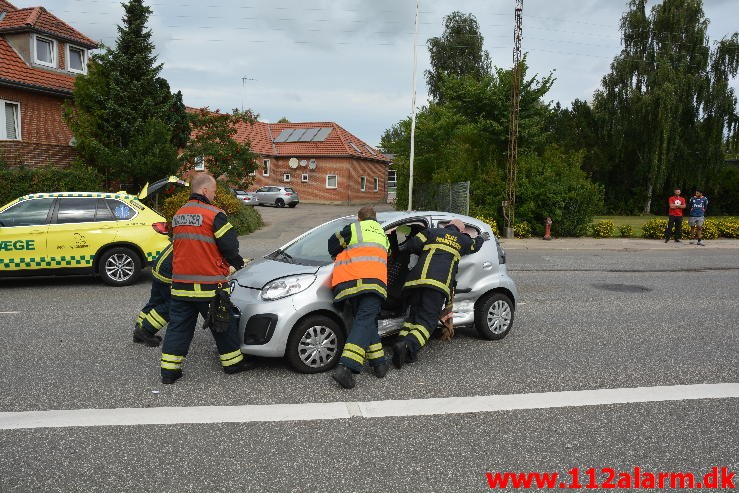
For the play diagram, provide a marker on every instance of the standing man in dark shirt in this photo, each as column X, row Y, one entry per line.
column 698, row 206
column 204, row 246
column 676, row 204
column 430, row 284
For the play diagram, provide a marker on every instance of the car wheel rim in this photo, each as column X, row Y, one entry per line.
column 318, row 346
column 119, row 267
column 499, row 317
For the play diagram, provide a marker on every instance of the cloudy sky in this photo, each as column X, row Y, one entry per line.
column 351, row 61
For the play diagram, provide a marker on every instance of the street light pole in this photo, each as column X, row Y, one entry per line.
column 413, row 114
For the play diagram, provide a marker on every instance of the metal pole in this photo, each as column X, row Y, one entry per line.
column 413, row 115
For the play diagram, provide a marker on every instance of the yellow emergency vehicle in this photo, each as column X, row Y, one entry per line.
column 113, row 235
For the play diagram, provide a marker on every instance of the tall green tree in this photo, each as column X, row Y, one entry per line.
column 214, row 144
column 126, row 122
column 458, row 51
column 665, row 108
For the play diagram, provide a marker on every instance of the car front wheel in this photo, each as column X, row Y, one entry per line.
column 494, row 316
column 119, row 267
column 315, row 344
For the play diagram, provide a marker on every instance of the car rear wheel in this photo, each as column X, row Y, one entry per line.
column 119, row 267
column 315, row 344
column 494, row 316
column 280, row 203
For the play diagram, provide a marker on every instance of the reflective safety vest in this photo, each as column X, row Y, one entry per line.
column 361, row 266
column 162, row 269
column 197, row 261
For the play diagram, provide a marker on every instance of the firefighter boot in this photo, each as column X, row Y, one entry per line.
column 171, row 377
column 380, row 370
column 243, row 365
column 344, row 376
column 142, row 336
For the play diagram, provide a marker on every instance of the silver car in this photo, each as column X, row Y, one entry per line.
column 248, row 198
column 286, row 308
column 277, row 196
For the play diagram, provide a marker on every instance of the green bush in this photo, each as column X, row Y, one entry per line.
column 654, row 228
column 43, row 179
column 604, row 228
column 522, row 230
column 625, row 231
column 244, row 218
column 728, row 228
column 490, row 222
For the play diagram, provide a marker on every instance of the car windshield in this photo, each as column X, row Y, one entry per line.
column 312, row 249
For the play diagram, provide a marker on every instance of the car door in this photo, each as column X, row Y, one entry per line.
column 262, row 194
column 74, row 236
column 23, row 230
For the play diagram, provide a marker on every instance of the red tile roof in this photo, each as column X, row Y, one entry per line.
column 14, row 70
column 6, row 6
column 41, row 20
column 337, row 143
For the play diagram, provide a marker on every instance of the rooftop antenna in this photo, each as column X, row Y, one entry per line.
column 509, row 205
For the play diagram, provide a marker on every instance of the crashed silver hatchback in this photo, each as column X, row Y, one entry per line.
column 286, row 308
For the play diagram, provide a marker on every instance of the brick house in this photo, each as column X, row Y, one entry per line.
column 321, row 160
column 40, row 55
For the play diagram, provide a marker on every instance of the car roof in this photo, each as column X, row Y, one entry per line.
column 102, row 195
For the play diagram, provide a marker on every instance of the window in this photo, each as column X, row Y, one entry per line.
column 76, row 210
column 377, row 184
column 120, row 210
column 44, row 51
column 10, row 121
column 392, row 178
column 286, row 177
column 332, row 181
column 103, row 212
column 265, row 167
column 199, row 163
column 76, row 59
column 363, row 183
column 26, row 213
column 304, row 178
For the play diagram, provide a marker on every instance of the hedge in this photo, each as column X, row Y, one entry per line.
column 712, row 229
column 44, row 179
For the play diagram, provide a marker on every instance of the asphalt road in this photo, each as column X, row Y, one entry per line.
column 586, row 319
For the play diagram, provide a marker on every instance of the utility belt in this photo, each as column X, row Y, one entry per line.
column 220, row 308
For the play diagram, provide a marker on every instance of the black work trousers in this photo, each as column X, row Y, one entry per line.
column 426, row 305
column 155, row 315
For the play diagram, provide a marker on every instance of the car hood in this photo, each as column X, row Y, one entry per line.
column 261, row 271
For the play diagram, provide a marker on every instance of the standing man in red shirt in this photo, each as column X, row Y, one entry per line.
column 675, row 216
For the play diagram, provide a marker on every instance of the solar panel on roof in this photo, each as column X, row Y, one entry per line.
column 309, row 134
column 355, row 147
column 322, row 134
column 284, row 135
column 295, row 136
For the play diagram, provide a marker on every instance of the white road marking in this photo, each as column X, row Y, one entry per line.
column 371, row 409
column 9, row 313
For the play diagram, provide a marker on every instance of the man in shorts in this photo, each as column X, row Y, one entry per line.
column 698, row 205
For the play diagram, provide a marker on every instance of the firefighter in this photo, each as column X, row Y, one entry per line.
column 429, row 286
column 204, row 245
column 360, row 278
column 154, row 316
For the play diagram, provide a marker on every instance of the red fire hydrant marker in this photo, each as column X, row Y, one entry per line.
column 548, row 233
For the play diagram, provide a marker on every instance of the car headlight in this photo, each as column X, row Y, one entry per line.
column 287, row 286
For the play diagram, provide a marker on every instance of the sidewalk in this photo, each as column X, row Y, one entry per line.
column 612, row 244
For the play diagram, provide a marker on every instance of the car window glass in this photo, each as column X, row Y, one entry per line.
column 103, row 212
column 289, row 189
column 312, row 249
column 263, row 189
column 76, row 210
column 27, row 213
column 120, row 210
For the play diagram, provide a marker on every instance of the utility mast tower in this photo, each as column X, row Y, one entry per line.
column 509, row 206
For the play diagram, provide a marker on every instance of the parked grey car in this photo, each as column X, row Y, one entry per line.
column 248, row 198
column 277, row 196
column 285, row 302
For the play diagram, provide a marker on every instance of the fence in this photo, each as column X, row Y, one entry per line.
column 448, row 197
